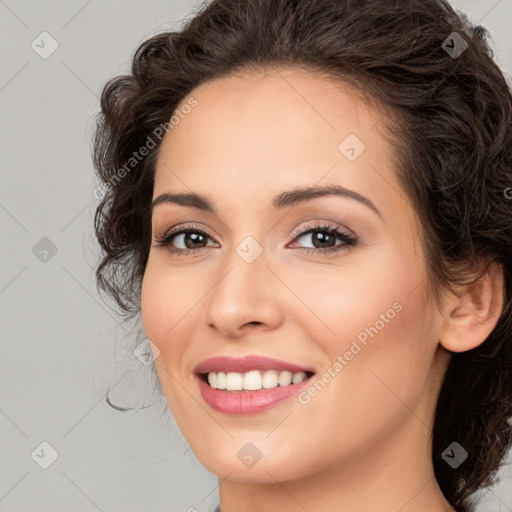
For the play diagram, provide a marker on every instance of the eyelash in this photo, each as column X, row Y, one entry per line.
column 348, row 241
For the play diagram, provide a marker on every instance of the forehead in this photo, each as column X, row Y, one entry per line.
column 270, row 130
column 292, row 104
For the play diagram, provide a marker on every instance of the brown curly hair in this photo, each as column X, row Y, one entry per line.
column 452, row 134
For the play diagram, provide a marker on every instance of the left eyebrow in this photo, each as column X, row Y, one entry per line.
column 301, row 195
column 282, row 200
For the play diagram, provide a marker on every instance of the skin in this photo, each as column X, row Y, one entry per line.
column 362, row 443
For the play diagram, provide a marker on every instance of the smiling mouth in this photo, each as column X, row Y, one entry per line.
column 253, row 380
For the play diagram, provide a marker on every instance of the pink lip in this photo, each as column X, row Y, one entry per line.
column 247, row 402
column 245, row 364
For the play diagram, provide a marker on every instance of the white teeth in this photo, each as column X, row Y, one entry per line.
column 234, row 381
column 285, row 378
column 270, row 379
column 221, row 380
column 299, row 377
column 254, row 379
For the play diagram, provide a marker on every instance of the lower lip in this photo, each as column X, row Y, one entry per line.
column 247, row 402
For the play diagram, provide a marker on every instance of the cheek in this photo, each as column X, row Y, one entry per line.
column 164, row 307
column 366, row 291
column 379, row 366
column 377, row 316
column 164, row 300
column 388, row 347
column 171, row 302
column 151, row 305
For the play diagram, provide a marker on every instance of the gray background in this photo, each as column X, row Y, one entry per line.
column 62, row 346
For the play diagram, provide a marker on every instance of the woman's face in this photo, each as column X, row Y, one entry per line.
column 346, row 298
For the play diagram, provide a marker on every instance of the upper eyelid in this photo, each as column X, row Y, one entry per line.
column 313, row 212
column 319, row 226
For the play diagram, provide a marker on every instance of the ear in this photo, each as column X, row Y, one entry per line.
column 471, row 315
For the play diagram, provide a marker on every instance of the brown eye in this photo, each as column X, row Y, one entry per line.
column 190, row 238
column 323, row 239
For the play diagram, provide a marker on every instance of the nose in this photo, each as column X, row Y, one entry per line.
column 245, row 297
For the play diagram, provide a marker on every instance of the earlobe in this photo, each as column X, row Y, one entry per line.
column 470, row 317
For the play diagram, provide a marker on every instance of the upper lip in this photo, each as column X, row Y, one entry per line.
column 246, row 363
